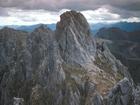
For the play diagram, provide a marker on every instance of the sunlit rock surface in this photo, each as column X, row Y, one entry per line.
column 65, row 67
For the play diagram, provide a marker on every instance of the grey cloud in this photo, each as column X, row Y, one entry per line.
column 132, row 5
column 3, row 12
column 70, row 4
column 28, row 19
column 125, row 8
column 124, row 13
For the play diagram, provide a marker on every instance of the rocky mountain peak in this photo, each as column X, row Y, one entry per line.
column 73, row 19
column 8, row 34
column 8, row 30
column 61, row 68
column 42, row 28
column 73, row 35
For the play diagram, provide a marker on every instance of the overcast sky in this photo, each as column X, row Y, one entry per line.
column 27, row 12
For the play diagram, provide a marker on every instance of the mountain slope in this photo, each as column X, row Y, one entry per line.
column 126, row 26
column 125, row 46
column 64, row 67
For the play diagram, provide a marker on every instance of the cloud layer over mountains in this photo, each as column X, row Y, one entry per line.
column 15, row 11
column 71, row 4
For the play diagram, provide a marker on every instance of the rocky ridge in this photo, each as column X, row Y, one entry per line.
column 64, row 67
column 125, row 46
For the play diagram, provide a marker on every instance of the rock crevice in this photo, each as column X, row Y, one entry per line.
column 60, row 68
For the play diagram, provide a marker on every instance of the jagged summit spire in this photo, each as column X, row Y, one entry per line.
column 73, row 19
column 74, row 38
column 7, row 29
column 42, row 27
column 71, row 15
column 36, row 68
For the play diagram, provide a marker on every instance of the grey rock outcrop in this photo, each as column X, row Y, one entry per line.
column 12, row 72
column 121, row 94
column 59, row 68
column 18, row 101
column 137, row 96
column 74, row 38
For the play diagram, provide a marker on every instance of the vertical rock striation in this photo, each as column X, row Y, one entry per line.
column 74, row 38
column 64, row 67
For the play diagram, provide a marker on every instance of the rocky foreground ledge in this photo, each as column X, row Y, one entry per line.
column 65, row 67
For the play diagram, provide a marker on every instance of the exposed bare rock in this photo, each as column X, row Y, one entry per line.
column 74, row 39
column 64, row 67
column 18, row 101
column 137, row 95
column 121, row 94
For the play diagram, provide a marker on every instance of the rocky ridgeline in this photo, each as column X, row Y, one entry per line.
column 125, row 46
column 65, row 67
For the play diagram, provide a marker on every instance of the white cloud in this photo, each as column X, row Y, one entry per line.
column 132, row 19
column 100, row 15
column 29, row 17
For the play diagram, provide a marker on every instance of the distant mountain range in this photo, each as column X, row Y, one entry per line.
column 118, row 34
column 61, row 67
column 129, row 27
column 122, row 25
column 125, row 46
column 30, row 28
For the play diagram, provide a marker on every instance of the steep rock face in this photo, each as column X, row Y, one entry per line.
column 121, row 94
column 74, row 38
column 64, row 67
column 12, row 72
column 80, row 54
column 137, row 95
column 34, row 65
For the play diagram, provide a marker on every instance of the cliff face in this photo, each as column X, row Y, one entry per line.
column 64, row 67
column 73, row 36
